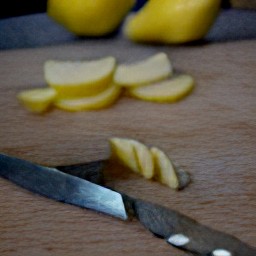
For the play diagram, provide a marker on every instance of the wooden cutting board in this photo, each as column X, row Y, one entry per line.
column 211, row 134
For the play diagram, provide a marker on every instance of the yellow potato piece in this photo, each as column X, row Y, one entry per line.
column 149, row 70
column 37, row 100
column 89, row 17
column 172, row 21
column 79, row 78
column 169, row 90
column 101, row 100
column 123, row 150
column 134, row 155
column 164, row 169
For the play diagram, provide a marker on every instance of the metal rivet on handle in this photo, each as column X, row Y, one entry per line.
column 221, row 252
column 178, row 240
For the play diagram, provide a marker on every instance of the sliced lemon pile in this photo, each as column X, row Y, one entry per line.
column 37, row 100
column 169, row 90
column 101, row 100
column 152, row 163
column 79, row 78
column 96, row 84
column 152, row 69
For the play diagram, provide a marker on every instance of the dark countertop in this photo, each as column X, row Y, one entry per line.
column 39, row 30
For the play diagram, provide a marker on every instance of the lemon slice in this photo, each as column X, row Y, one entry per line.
column 150, row 70
column 169, row 90
column 144, row 159
column 79, row 78
column 123, row 150
column 164, row 169
column 101, row 100
column 37, row 100
column 133, row 154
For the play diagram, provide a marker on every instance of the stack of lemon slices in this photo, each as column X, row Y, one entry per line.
column 150, row 162
column 97, row 84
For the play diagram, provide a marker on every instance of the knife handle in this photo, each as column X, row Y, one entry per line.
column 187, row 234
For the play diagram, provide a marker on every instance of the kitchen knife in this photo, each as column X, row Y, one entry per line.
column 177, row 229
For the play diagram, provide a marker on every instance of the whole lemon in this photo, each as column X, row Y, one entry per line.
column 172, row 21
column 89, row 17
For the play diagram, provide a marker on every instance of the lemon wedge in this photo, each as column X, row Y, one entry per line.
column 123, row 151
column 134, row 155
column 152, row 69
column 37, row 100
column 169, row 90
column 144, row 159
column 101, row 100
column 79, row 78
column 164, row 169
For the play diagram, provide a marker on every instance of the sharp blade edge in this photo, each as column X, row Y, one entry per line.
column 62, row 187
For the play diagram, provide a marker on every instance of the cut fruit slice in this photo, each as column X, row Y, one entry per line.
column 164, row 169
column 170, row 90
column 79, row 78
column 144, row 159
column 123, row 150
column 101, row 100
column 37, row 100
column 150, row 70
column 134, row 155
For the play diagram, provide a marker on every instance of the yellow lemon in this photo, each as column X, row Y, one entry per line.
column 37, row 100
column 79, row 78
column 98, row 101
column 89, row 17
column 154, row 68
column 169, row 90
column 172, row 21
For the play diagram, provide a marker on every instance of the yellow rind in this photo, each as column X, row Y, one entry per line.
column 99, row 101
column 37, row 100
column 152, row 69
column 170, row 90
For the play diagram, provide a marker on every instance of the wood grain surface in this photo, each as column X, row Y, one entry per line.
column 211, row 134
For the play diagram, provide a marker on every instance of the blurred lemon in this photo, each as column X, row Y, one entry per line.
column 89, row 17
column 169, row 90
column 37, row 100
column 79, row 78
column 98, row 101
column 172, row 21
column 152, row 69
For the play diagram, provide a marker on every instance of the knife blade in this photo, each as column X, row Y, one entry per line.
column 177, row 229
